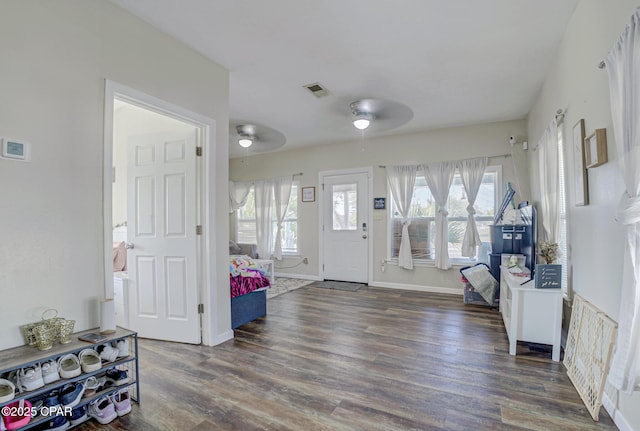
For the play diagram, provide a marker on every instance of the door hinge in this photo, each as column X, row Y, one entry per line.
column 199, row 229
column 200, row 308
column 199, row 151
column 322, row 186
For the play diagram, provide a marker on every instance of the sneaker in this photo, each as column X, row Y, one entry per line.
column 71, row 394
column 50, row 371
column 103, row 410
column 122, row 402
column 117, row 377
column 122, row 346
column 108, row 353
column 30, row 378
column 51, row 399
column 57, row 423
column 7, row 390
column 90, row 360
column 69, row 366
column 78, row 415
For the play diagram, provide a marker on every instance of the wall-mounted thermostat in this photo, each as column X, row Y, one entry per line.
column 14, row 149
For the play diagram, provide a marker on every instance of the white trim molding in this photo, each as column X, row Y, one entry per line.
column 616, row 415
column 419, row 288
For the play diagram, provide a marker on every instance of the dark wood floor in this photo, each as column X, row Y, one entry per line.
column 375, row 359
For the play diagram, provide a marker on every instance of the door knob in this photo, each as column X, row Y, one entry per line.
column 364, row 236
column 129, row 246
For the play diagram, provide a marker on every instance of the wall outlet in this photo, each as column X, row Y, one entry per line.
column 305, row 260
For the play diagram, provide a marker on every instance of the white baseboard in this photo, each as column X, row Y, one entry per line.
column 298, row 276
column 225, row 336
column 419, row 288
column 615, row 414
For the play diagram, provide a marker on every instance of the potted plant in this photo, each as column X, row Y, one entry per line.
column 548, row 275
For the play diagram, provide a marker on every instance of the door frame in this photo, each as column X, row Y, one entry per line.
column 205, row 181
column 369, row 204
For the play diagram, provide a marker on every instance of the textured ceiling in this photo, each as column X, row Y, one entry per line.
column 453, row 62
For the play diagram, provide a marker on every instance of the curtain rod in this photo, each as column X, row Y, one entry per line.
column 489, row 157
column 298, row 174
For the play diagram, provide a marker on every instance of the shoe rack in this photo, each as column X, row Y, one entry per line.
column 25, row 356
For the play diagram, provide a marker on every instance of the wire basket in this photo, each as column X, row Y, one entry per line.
column 50, row 329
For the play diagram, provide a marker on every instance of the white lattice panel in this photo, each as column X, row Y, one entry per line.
column 588, row 353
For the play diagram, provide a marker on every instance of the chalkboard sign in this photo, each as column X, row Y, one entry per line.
column 548, row 276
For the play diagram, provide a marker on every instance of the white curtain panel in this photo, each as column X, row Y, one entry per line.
column 264, row 211
column 548, row 165
column 281, row 195
column 623, row 70
column 439, row 177
column 472, row 172
column 401, row 181
column 238, row 192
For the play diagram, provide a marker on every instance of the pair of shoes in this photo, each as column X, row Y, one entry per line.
column 56, row 423
column 117, row 377
column 78, row 415
column 69, row 366
column 71, row 394
column 50, row 371
column 103, row 410
column 107, row 352
column 90, row 360
column 122, row 402
column 7, row 390
column 95, row 384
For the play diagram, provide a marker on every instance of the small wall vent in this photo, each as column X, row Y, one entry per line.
column 316, row 89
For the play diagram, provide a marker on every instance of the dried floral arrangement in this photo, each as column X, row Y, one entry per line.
column 548, row 251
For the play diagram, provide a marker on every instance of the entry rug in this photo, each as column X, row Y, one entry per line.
column 339, row 285
column 284, row 285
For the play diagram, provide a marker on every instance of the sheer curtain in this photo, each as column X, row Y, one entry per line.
column 548, row 163
column 238, row 192
column 439, row 177
column 623, row 69
column 264, row 211
column 472, row 172
column 401, row 181
column 281, row 195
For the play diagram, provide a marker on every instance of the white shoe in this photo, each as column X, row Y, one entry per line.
column 69, row 366
column 103, row 410
column 50, row 371
column 122, row 346
column 121, row 402
column 7, row 390
column 108, row 353
column 30, row 378
column 90, row 360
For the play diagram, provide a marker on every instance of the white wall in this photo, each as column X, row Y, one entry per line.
column 439, row 145
column 55, row 58
column 576, row 84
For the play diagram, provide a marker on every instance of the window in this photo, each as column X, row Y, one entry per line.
column 422, row 215
column 246, row 222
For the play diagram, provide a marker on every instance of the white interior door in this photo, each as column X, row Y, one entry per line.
column 161, row 214
column 345, row 232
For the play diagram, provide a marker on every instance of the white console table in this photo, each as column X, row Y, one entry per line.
column 530, row 314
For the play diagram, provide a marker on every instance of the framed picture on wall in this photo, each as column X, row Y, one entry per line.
column 308, row 194
column 581, row 180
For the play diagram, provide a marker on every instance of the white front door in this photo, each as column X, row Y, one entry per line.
column 161, row 214
column 345, row 222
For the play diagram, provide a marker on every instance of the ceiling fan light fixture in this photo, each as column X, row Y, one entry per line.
column 362, row 120
column 245, row 141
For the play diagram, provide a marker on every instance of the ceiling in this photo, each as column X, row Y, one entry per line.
column 452, row 62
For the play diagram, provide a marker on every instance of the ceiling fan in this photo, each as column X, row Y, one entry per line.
column 379, row 114
column 256, row 137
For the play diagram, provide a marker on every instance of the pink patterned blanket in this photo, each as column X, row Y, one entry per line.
column 246, row 276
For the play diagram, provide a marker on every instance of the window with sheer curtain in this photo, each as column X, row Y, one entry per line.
column 246, row 222
column 422, row 216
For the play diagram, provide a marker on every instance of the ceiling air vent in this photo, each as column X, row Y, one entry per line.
column 316, row 89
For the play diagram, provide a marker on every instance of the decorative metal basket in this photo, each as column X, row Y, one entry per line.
column 50, row 329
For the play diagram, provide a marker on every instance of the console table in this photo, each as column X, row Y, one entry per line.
column 530, row 314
